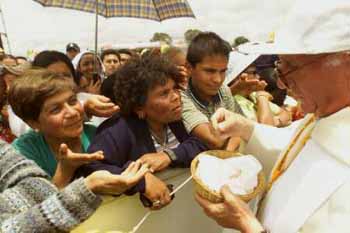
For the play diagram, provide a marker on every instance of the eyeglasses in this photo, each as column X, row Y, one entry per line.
column 282, row 76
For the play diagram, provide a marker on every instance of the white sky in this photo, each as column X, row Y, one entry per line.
column 31, row 26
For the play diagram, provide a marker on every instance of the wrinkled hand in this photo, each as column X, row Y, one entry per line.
column 229, row 124
column 231, row 213
column 104, row 182
column 156, row 190
column 67, row 158
column 246, row 84
column 156, row 161
column 101, row 106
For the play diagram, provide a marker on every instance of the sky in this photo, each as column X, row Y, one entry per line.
column 31, row 26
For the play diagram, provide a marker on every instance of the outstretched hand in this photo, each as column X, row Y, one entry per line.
column 246, row 84
column 104, row 182
column 74, row 160
column 101, row 106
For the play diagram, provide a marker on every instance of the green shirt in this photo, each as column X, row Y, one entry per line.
column 33, row 146
column 249, row 106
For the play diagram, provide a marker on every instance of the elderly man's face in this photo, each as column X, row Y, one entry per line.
column 318, row 81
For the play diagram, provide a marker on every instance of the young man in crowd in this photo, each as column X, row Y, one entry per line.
column 111, row 60
column 207, row 58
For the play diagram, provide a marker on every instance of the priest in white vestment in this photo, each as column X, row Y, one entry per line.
column 309, row 184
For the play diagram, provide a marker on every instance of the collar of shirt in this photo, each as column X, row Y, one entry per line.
column 204, row 104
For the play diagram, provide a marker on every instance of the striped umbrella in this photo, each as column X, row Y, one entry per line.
column 149, row 9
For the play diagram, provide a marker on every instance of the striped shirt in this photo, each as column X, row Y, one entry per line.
column 196, row 111
column 170, row 141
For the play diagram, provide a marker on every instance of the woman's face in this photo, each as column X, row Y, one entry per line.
column 87, row 65
column 60, row 68
column 61, row 116
column 163, row 103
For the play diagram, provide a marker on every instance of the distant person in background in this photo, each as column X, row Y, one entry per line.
column 265, row 68
column 55, row 61
column 257, row 105
column 21, row 60
column 88, row 74
column 9, row 60
column 72, row 49
column 111, row 60
column 178, row 57
column 125, row 55
column 107, row 85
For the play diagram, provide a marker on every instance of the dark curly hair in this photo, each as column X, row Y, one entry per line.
column 136, row 78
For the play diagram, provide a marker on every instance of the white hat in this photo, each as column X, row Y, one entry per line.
column 238, row 62
column 310, row 27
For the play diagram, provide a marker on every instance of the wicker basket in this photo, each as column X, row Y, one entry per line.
column 214, row 196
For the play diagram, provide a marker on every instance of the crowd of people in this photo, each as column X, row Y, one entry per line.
column 79, row 125
column 154, row 112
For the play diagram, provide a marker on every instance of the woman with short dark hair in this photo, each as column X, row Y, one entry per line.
column 149, row 127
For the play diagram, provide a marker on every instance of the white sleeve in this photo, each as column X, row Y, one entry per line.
column 17, row 125
column 267, row 142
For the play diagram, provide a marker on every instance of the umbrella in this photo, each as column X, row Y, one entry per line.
column 148, row 9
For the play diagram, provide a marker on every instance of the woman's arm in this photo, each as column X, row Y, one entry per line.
column 30, row 203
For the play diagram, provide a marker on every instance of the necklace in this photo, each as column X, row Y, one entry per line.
column 160, row 140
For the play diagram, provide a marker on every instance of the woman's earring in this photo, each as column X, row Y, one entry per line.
column 141, row 115
column 36, row 130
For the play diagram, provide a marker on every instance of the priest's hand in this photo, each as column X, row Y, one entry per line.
column 229, row 124
column 231, row 213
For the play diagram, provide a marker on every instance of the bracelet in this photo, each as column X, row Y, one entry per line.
column 171, row 154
